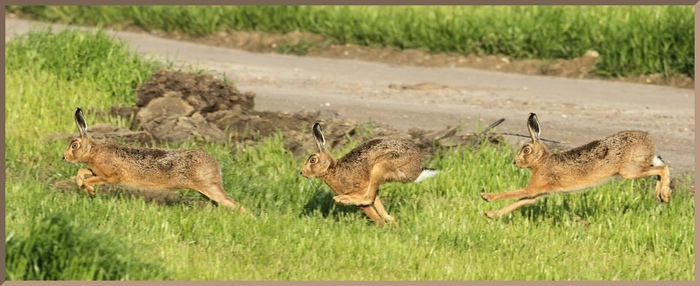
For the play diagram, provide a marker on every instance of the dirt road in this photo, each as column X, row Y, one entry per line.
column 572, row 110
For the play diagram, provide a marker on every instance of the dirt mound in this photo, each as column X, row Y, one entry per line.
column 176, row 106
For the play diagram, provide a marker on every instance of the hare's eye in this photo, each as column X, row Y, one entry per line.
column 527, row 150
column 75, row 145
column 313, row 160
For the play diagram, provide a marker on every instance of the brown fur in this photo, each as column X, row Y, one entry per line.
column 628, row 154
column 170, row 169
column 355, row 178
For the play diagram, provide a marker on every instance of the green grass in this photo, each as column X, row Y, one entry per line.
column 631, row 40
column 616, row 231
column 57, row 248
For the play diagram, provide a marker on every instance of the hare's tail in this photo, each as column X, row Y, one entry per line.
column 657, row 161
column 427, row 173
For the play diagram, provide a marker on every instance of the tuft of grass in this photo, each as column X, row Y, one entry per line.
column 87, row 58
column 57, row 248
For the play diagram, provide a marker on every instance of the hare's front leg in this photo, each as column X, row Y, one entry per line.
column 511, row 207
column 81, row 176
column 87, row 184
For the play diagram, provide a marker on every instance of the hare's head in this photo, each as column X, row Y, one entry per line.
column 317, row 164
column 531, row 152
column 79, row 147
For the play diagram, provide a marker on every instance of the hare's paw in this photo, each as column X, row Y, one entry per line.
column 487, row 197
column 90, row 190
column 664, row 195
column 491, row 214
column 82, row 175
column 352, row 200
column 392, row 220
column 79, row 180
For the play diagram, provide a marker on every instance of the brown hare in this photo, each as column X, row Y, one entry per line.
column 355, row 178
column 629, row 154
column 171, row 169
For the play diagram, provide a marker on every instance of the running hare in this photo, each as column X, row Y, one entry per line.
column 145, row 167
column 629, row 154
column 355, row 178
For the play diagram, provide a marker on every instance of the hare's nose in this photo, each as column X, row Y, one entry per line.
column 63, row 158
column 513, row 162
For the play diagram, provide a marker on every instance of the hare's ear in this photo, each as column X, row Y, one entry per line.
column 534, row 127
column 80, row 122
column 318, row 136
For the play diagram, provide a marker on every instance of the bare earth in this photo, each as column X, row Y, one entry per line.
column 434, row 96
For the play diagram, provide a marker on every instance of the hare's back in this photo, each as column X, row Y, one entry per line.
column 610, row 151
column 630, row 137
column 633, row 144
column 158, row 160
column 383, row 149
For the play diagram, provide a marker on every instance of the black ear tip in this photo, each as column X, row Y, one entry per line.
column 532, row 118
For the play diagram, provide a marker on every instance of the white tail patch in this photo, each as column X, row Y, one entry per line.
column 657, row 161
column 427, row 173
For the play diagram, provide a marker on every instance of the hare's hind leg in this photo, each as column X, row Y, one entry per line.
column 511, row 207
column 372, row 214
column 380, row 208
column 216, row 193
column 663, row 190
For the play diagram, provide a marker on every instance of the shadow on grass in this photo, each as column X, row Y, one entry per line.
column 117, row 192
column 321, row 202
column 589, row 204
column 577, row 210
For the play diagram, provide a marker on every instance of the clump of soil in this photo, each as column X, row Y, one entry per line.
column 175, row 106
